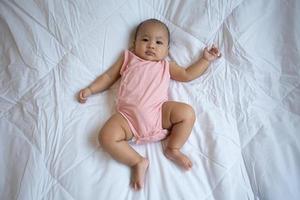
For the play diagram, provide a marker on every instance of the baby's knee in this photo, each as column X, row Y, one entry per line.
column 104, row 139
column 189, row 113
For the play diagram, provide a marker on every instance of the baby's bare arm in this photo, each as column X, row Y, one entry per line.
column 102, row 82
column 196, row 69
column 108, row 78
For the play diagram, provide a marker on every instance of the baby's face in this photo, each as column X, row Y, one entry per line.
column 152, row 42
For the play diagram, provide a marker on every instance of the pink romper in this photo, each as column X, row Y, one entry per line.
column 143, row 89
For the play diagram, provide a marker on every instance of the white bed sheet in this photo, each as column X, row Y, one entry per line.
column 245, row 143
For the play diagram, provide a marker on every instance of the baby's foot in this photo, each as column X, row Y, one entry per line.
column 178, row 157
column 138, row 174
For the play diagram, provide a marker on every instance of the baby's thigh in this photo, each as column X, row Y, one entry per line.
column 116, row 129
column 174, row 112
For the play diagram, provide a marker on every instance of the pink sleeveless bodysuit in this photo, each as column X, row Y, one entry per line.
column 143, row 89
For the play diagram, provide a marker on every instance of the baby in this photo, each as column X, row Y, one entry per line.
column 144, row 113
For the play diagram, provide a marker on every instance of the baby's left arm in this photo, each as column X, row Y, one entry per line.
column 197, row 69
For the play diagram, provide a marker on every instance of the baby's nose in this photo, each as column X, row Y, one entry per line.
column 151, row 44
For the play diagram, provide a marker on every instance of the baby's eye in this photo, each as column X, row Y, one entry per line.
column 159, row 42
column 145, row 39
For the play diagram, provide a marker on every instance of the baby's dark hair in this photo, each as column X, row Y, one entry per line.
column 152, row 21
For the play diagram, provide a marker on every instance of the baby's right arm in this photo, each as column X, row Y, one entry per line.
column 102, row 82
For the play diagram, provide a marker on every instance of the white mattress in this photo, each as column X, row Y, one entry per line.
column 245, row 143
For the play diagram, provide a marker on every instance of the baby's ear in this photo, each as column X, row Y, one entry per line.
column 131, row 48
column 169, row 45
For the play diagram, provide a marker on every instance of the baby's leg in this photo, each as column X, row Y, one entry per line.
column 114, row 137
column 179, row 118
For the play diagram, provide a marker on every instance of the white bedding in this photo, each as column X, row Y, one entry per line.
column 245, row 143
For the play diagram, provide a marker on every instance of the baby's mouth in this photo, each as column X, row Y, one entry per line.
column 150, row 53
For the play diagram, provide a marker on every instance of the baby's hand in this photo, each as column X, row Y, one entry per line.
column 83, row 94
column 211, row 54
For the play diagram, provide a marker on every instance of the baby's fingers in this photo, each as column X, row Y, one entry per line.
column 206, row 49
column 215, row 51
column 81, row 97
column 82, row 100
column 218, row 53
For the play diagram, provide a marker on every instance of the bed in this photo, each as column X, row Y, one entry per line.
column 245, row 143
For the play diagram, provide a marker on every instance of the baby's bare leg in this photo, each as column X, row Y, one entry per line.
column 179, row 118
column 113, row 138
